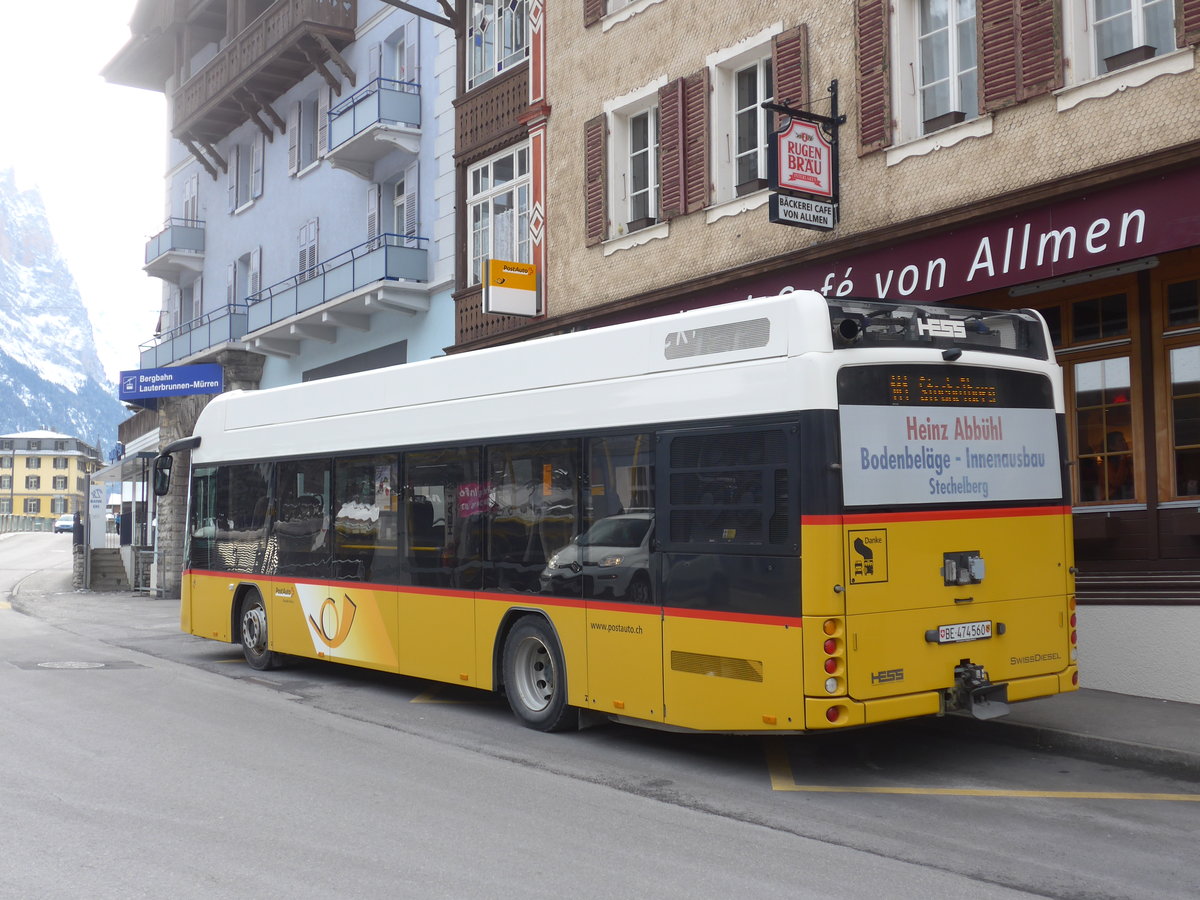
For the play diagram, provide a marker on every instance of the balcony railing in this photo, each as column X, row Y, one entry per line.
column 382, row 102
column 213, row 329
column 276, row 51
column 389, row 258
column 179, row 246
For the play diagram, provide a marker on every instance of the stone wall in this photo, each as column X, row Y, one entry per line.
column 177, row 418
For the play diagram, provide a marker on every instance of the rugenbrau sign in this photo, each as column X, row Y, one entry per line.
column 801, row 160
column 152, row 384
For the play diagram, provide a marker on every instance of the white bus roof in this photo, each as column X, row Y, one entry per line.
column 700, row 364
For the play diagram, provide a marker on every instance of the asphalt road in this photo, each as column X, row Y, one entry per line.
column 139, row 761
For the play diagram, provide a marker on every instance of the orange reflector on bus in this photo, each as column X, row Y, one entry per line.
column 769, row 720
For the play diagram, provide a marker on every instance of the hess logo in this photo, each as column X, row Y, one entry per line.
column 941, row 328
column 333, row 621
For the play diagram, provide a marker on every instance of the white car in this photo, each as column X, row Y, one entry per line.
column 64, row 523
column 612, row 558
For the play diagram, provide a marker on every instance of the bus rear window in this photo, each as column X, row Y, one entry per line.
column 881, row 323
column 947, row 435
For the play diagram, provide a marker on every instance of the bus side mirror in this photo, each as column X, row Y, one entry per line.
column 162, row 475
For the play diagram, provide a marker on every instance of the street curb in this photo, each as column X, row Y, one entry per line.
column 1179, row 763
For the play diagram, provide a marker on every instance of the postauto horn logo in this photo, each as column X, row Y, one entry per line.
column 333, row 620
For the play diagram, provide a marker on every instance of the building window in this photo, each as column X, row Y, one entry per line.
column 6, row 506
column 245, row 176
column 6, row 445
column 498, row 210
column 307, row 243
column 33, row 482
column 751, row 126
column 33, row 462
column 1103, row 36
column 34, row 445
column 58, row 506
column 33, row 506
column 308, row 131
column 1104, row 417
column 497, row 38
column 641, row 175
column 5, row 482
column 1093, row 339
column 6, row 462
column 60, row 482
column 1128, row 31
column 946, row 43
column 61, row 462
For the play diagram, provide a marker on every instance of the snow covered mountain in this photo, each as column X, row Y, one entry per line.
column 50, row 373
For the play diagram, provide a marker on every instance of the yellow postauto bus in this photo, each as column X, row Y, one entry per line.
column 786, row 514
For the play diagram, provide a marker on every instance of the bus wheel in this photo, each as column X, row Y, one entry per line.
column 254, row 634
column 535, row 676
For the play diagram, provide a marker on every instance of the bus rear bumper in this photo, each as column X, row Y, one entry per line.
column 930, row 703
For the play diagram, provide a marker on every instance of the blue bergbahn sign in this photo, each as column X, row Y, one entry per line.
column 144, row 386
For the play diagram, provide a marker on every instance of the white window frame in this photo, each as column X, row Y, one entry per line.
column 488, row 238
column 245, row 175
column 486, row 20
column 724, row 66
column 617, row 11
column 906, row 80
column 620, row 112
column 1079, row 28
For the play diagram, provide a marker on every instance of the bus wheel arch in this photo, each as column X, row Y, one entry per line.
column 252, row 629
column 533, row 673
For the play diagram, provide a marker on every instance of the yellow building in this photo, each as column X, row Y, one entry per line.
column 43, row 473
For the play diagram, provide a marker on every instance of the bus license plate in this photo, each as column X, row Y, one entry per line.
column 964, row 631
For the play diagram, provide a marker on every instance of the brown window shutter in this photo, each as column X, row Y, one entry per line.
column 696, row 194
column 1187, row 22
column 999, row 59
column 874, row 78
column 595, row 180
column 1041, row 47
column 593, row 11
column 1022, row 51
column 670, row 148
column 789, row 65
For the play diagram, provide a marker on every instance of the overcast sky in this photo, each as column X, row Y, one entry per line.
column 96, row 153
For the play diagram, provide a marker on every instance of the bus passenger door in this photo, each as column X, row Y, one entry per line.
column 616, row 568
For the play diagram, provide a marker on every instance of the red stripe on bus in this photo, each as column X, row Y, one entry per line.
column 519, row 599
column 938, row 515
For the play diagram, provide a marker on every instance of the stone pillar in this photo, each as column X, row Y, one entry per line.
column 176, row 419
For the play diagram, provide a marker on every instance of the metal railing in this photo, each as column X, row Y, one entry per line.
column 177, row 234
column 389, row 257
column 382, row 101
column 11, row 522
column 220, row 326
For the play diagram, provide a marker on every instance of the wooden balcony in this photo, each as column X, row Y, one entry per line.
column 271, row 55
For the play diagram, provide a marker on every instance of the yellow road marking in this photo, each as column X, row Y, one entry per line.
column 783, row 779
column 431, row 696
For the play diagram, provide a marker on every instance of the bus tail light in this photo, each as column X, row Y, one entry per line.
column 834, row 647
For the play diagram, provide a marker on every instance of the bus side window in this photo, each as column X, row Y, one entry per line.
column 533, row 513
column 365, row 537
column 443, row 502
column 302, row 520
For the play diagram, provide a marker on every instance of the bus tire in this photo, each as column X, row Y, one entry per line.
column 254, row 634
column 535, row 676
